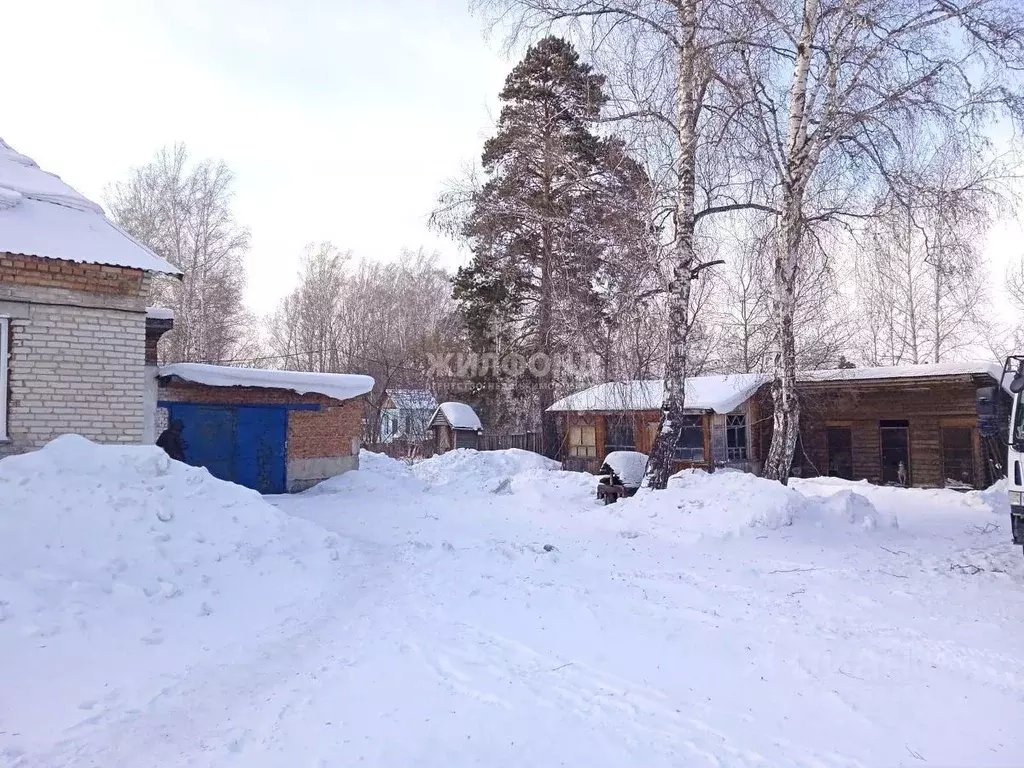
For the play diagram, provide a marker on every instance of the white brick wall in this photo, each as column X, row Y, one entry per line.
column 75, row 369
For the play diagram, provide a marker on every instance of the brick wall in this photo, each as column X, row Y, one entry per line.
column 18, row 270
column 329, row 431
column 74, row 369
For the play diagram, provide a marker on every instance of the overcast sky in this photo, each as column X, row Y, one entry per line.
column 340, row 118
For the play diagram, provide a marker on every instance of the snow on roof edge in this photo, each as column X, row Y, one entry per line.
column 645, row 394
column 340, row 386
column 720, row 393
column 919, row 371
column 42, row 216
column 159, row 313
column 458, row 415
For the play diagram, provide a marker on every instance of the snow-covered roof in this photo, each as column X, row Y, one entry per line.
column 413, row 399
column 159, row 313
column 42, row 216
column 720, row 394
column 458, row 416
column 340, row 386
column 725, row 393
column 628, row 465
column 969, row 368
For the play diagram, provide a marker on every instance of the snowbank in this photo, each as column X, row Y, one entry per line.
column 377, row 472
column 628, row 465
column 468, row 470
column 850, row 507
column 84, row 527
column 461, row 471
column 995, row 498
column 724, row 503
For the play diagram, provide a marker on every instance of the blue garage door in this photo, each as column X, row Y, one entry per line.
column 245, row 445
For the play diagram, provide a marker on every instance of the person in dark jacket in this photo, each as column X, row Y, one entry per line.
column 171, row 440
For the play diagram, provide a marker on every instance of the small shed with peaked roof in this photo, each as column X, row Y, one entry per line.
column 455, row 425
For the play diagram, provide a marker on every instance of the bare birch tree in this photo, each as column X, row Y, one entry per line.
column 305, row 331
column 863, row 75
column 182, row 210
column 381, row 318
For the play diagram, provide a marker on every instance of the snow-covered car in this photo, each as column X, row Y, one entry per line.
column 620, row 475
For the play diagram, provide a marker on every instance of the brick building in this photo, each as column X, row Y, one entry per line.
column 273, row 431
column 74, row 288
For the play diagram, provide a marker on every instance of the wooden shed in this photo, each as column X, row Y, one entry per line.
column 625, row 416
column 863, row 423
column 455, row 425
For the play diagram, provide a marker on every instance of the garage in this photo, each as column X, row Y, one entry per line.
column 272, row 431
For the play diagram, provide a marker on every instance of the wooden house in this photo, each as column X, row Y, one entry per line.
column 863, row 423
column 405, row 414
column 624, row 416
column 859, row 423
column 455, row 425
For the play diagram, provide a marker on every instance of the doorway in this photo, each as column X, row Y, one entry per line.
column 241, row 444
column 840, row 452
column 894, row 437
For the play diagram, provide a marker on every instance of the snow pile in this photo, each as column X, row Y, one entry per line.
column 850, row 507
column 995, row 498
column 377, row 473
column 86, row 529
column 628, row 465
column 726, row 503
column 720, row 503
column 470, row 471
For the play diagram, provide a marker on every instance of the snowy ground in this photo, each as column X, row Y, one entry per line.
column 482, row 609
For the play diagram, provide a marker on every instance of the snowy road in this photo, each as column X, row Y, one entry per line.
column 485, row 618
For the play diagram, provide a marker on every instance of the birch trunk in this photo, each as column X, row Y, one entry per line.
column 799, row 164
column 677, row 333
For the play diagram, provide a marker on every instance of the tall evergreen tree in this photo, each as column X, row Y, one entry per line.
column 561, row 211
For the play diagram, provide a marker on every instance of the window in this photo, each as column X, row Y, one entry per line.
column 736, row 437
column 620, row 435
column 4, row 325
column 583, row 442
column 958, row 457
column 691, row 439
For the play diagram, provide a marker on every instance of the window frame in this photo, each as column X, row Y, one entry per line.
column 619, row 424
column 691, row 422
column 5, row 330
column 738, row 426
column 581, row 449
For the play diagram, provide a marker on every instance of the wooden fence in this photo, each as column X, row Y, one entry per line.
column 526, row 441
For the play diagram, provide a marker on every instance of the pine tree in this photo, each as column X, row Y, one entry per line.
column 561, row 210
